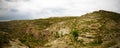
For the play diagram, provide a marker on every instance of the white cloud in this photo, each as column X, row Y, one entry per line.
column 48, row 8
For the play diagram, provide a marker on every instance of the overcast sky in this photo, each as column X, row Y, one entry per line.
column 31, row 9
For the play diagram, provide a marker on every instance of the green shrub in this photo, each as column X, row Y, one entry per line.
column 75, row 34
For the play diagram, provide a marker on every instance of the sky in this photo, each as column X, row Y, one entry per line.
column 35, row 9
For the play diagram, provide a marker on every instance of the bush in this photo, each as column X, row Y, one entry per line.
column 95, row 43
column 75, row 34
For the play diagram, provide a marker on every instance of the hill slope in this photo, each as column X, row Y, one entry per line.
column 99, row 29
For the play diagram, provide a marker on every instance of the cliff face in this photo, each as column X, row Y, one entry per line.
column 99, row 29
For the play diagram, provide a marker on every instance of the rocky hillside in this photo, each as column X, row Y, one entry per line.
column 99, row 29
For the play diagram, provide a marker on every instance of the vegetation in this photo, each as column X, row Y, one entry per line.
column 92, row 29
column 95, row 43
column 75, row 34
column 4, row 39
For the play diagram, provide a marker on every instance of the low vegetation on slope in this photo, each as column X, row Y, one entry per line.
column 31, row 32
column 99, row 29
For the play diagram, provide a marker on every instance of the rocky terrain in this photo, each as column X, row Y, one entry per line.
column 98, row 29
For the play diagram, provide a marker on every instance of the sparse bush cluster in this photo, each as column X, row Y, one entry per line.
column 95, row 43
column 4, row 39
